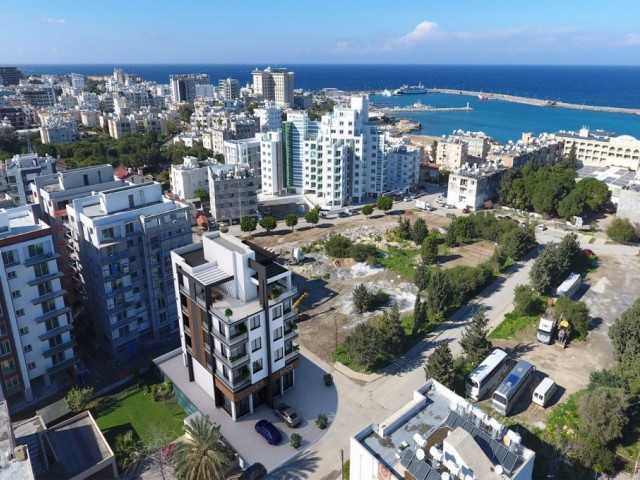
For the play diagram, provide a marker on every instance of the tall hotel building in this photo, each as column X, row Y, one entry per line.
column 35, row 332
column 236, row 322
column 275, row 85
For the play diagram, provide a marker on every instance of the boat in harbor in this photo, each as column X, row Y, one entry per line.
column 387, row 93
column 411, row 89
column 482, row 96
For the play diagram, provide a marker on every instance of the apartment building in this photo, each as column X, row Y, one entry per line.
column 183, row 87
column 191, row 176
column 246, row 150
column 39, row 97
column 471, row 187
column 439, row 435
column 10, row 75
column 58, row 130
column 452, row 153
column 543, row 149
column 274, row 85
column 295, row 131
column 20, row 172
column 597, row 148
column 233, row 192
column 121, row 125
column 236, row 322
column 229, row 88
column 269, row 116
column 35, row 332
column 402, row 164
column 273, row 170
column 120, row 240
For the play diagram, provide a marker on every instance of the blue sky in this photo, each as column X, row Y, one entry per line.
column 321, row 31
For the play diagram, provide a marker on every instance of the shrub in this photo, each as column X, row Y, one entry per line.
column 338, row 246
column 154, row 390
column 78, row 398
column 296, row 440
column 322, row 421
column 621, row 230
column 362, row 252
column 224, row 229
column 327, row 379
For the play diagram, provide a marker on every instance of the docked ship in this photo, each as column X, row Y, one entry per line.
column 411, row 89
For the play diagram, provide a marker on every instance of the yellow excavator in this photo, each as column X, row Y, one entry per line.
column 300, row 299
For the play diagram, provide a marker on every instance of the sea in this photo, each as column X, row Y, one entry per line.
column 615, row 86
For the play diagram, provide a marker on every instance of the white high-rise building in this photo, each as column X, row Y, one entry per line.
column 275, row 85
column 77, row 81
column 191, row 176
column 272, row 164
column 270, row 117
column 21, row 170
column 229, row 88
column 35, row 340
column 246, row 151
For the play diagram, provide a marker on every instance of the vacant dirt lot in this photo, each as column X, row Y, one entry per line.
column 608, row 291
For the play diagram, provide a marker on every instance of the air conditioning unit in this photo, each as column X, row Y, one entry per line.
column 20, row 452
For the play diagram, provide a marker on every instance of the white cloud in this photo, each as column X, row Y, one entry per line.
column 421, row 33
column 54, row 21
column 342, row 46
column 630, row 40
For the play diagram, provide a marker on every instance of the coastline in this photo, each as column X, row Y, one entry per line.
column 534, row 101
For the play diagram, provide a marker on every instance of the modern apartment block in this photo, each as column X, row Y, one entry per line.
column 229, row 88
column 233, row 192
column 270, row 117
column 597, row 148
column 274, row 172
column 20, row 172
column 120, row 242
column 58, row 130
column 53, row 193
column 439, row 435
column 183, row 87
column 246, row 151
column 274, row 85
column 236, row 322
column 10, row 75
column 35, row 340
column 190, row 176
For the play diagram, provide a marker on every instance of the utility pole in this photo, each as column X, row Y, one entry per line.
column 341, row 463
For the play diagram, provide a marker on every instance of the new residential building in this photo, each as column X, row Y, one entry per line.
column 35, row 339
column 597, row 148
column 270, row 117
column 274, row 85
column 229, row 88
column 20, row 172
column 120, row 241
column 439, row 435
column 246, row 150
column 236, row 322
column 273, row 168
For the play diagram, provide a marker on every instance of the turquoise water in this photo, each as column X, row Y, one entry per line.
column 507, row 120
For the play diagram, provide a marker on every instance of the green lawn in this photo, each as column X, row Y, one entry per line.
column 400, row 260
column 512, row 324
column 140, row 413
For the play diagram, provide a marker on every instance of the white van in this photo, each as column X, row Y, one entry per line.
column 544, row 392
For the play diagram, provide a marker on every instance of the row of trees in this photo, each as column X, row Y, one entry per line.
column 269, row 223
column 552, row 190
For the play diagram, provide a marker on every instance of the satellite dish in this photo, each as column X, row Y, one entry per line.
column 420, row 454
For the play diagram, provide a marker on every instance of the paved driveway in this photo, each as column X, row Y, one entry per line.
column 310, row 397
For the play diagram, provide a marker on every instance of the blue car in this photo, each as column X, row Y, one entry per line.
column 269, row 432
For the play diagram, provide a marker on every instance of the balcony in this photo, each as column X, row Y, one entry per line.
column 234, row 338
column 232, row 362
column 121, row 340
column 278, row 293
column 52, row 314
column 50, row 351
column 291, row 333
column 14, row 388
column 45, row 257
column 62, row 365
column 291, row 354
column 45, row 278
column 55, row 331
column 48, row 296
column 239, row 381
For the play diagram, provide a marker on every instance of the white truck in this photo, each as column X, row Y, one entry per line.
column 423, row 205
column 546, row 328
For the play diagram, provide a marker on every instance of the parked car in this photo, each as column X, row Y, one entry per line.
column 343, row 214
column 588, row 252
column 542, row 227
column 288, row 414
column 465, row 210
column 270, row 433
column 256, row 471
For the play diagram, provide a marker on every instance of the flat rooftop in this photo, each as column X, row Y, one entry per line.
column 13, row 469
column 20, row 222
column 619, row 177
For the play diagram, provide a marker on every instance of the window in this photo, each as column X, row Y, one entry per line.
column 27, row 348
column 254, row 322
column 31, row 365
column 36, row 250
column 256, row 344
column 277, row 333
column 55, row 341
column 276, row 312
column 279, row 354
column 11, row 274
column 20, row 313
column 3, row 329
column 9, row 257
column 52, row 323
column 257, row 365
column 108, row 233
column 5, row 347
column 12, row 383
column 48, row 306
column 16, row 294
column 44, row 288
column 57, row 358
column 122, row 331
column 41, row 269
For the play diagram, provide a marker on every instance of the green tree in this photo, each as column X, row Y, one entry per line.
column 404, row 228
column 248, row 224
column 127, row 450
column 572, row 158
column 625, row 334
column 269, row 223
column 429, row 250
column 419, row 315
column 367, row 210
column 338, row 246
column 434, row 151
column 312, row 216
column 571, row 257
column 603, row 413
column 391, row 330
column 361, row 298
column 526, row 301
column 203, row 455
column 420, row 231
column 543, row 273
column 185, row 111
column 363, row 344
column 516, row 243
column 451, row 238
column 474, row 342
column 465, row 229
column 421, row 276
column 572, row 205
column 576, row 313
column 78, row 398
column 291, row 219
column 202, row 194
column 437, row 293
column 385, row 204
column 621, row 230
column 595, row 193
column 440, row 366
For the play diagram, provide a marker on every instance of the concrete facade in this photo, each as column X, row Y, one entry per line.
column 472, row 187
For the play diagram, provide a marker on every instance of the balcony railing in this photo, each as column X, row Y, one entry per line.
column 238, row 382
column 14, row 388
column 235, row 339
column 48, row 296
column 232, row 362
column 52, row 314
column 62, row 365
column 45, row 278
column 45, row 257
column 50, row 351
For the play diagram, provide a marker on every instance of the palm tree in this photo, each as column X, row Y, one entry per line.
column 204, row 455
